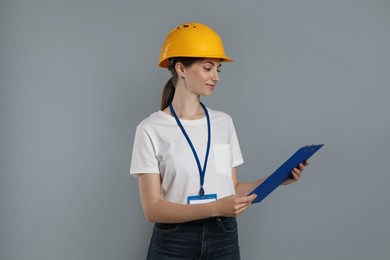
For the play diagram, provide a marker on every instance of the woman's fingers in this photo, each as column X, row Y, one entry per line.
column 242, row 203
column 241, row 210
column 244, row 200
column 302, row 166
column 247, row 198
column 296, row 173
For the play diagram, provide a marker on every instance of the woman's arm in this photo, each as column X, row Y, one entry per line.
column 157, row 210
column 245, row 188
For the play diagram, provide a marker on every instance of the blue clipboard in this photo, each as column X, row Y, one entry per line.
column 284, row 171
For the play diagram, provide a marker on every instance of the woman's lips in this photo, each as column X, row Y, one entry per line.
column 212, row 86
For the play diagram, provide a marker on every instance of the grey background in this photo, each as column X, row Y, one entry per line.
column 76, row 78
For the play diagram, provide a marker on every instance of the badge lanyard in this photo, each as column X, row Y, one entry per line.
column 201, row 171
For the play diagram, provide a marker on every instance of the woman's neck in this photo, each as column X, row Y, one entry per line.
column 186, row 103
column 188, row 110
column 187, row 106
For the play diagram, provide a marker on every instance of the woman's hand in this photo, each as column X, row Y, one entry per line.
column 296, row 173
column 233, row 205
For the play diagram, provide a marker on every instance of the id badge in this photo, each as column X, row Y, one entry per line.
column 198, row 200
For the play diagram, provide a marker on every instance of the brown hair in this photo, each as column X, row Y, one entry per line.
column 169, row 89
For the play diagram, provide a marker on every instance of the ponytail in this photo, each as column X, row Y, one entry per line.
column 167, row 95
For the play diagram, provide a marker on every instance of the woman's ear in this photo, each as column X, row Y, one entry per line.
column 180, row 69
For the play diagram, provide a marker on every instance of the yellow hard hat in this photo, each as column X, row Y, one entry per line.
column 192, row 40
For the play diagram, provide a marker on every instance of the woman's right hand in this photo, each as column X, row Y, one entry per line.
column 233, row 205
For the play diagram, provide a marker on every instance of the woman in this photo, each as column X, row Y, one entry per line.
column 185, row 156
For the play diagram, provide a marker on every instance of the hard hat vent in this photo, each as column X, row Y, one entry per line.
column 185, row 26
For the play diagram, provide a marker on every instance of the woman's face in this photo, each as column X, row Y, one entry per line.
column 202, row 76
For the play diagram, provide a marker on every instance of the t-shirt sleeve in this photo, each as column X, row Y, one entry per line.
column 143, row 158
column 236, row 151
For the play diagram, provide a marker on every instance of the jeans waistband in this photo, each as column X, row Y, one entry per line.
column 203, row 220
column 208, row 220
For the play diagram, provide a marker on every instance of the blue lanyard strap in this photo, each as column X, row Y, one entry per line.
column 201, row 171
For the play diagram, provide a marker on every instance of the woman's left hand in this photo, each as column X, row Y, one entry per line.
column 296, row 173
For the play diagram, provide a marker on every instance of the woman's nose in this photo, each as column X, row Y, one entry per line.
column 216, row 76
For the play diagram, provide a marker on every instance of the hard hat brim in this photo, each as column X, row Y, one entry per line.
column 164, row 63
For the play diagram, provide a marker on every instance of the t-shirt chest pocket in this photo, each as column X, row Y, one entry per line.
column 223, row 158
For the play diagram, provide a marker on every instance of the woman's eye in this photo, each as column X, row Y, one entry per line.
column 209, row 69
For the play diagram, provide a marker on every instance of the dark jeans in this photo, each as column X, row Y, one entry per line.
column 211, row 238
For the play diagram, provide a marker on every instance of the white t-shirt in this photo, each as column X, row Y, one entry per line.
column 160, row 147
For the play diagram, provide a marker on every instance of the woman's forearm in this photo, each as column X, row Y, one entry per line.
column 246, row 187
column 169, row 212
